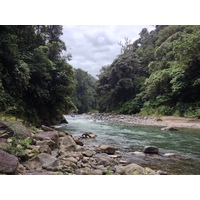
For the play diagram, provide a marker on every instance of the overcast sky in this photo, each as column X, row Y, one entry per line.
column 94, row 46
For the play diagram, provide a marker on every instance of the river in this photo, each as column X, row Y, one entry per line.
column 185, row 143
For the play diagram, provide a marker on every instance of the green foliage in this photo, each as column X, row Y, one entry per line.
column 84, row 96
column 156, row 74
column 17, row 147
column 35, row 80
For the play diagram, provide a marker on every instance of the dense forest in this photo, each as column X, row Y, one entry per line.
column 84, row 95
column 36, row 80
column 159, row 73
column 156, row 74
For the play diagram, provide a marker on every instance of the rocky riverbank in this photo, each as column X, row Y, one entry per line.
column 48, row 151
column 166, row 121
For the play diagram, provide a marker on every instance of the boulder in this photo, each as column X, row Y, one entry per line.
column 103, row 159
column 47, row 141
column 46, row 128
column 67, row 143
column 53, row 135
column 8, row 163
column 41, row 159
column 3, row 142
column 134, row 169
column 78, row 141
column 139, row 154
column 88, row 135
column 71, row 159
column 61, row 134
column 149, row 171
column 13, row 128
column 88, row 171
column 45, row 149
column 169, row 128
column 88, row 153
column 107, row 149
column 170, row 155
column 151, row 150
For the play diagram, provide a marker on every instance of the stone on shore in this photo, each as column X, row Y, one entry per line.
column 151, row 150
column 46, row 128
column 169, row 128
column 107, row 149
column 47, row 141
column 41, row 159
column 134, row 169
column 53, row 135
column 88, row 135
column 8, row 163
column 66, row 144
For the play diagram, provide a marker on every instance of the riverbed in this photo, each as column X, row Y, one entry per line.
column 128, row 138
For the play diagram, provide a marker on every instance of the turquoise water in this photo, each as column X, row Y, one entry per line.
column 185, row 142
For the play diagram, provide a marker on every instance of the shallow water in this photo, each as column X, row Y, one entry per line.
column 129, row 138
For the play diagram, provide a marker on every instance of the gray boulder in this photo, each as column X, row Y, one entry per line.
column 47, row 141
column 88, row 135
column 8, row 163
column 88, row 153
column 67, row 143
column 151, row 150
column 41, row 159
column 53, row 135
column 45, row 149
column 107, row 149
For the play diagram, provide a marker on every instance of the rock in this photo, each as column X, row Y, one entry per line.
column 46, row 128
column 169, row 128
column 88, row 153
column 149, row 171
column 67, row 143
column 45, row 149
column 169, row 155
column 88, row 135
column 53, row 135
column 88, row 171
column 124, row 162
column 104, row 159
column 151, row 150
column 61, row 134
column 139, row 154
column 80, row 148
column 131, row 169
column 160, row 172
column 47, row 141
column 107, row 149
column 41, row 159
column 3, row 142
column 8, row 163
column 13, row 128
column 71, row 159
column 78, row 141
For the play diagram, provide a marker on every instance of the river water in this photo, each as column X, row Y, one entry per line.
column 185, row 143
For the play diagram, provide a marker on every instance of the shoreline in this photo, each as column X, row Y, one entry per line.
column 164, row 121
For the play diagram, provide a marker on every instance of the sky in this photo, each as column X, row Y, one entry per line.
column 94, row 46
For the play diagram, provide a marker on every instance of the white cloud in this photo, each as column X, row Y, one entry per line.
column 93, row 46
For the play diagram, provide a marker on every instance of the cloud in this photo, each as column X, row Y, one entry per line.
column 94, row 46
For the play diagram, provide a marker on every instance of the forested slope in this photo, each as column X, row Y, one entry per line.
column 159, row 73
column 84, row 95
column 35, row 80
column 37, row 84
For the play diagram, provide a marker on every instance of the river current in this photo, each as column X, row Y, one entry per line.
column 185, row 143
